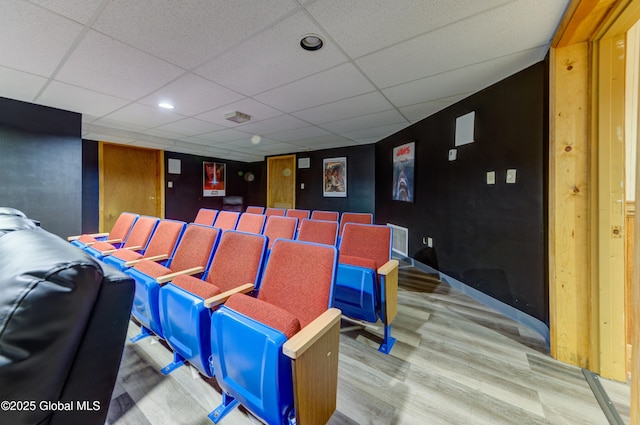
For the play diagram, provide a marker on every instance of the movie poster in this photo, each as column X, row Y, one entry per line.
column 213, row 178
column 335, row 177
column 403, row 165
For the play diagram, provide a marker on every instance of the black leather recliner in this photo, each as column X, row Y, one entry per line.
column 63, row 324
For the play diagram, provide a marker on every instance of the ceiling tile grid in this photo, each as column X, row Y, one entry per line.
column 385, row 64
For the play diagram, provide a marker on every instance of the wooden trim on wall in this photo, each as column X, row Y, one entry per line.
column 569, row 187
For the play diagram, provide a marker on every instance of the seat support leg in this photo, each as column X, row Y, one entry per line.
column 178, row 361
column 144, row 332
column 228, row 404
column 387, row 343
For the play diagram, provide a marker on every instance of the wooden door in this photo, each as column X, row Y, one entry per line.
column 281, row 181
column 131, row 179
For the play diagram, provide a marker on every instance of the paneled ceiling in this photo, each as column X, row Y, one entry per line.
column 385, row 64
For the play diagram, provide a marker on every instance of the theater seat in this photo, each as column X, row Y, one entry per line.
column 251, row 223
column 206, row 216
column 277, row 354
column 367, row 281
column 63, row 323
column 280, row 228
column 299, row 214
column 116, row 236
column 192, row 257
column 318, row 231
column 325, row 215
column 137, row 239
column 161, row 247
column 255, row 210
column 185, row 303
column 227, row 220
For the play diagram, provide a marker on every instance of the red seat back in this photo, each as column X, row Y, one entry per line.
column 165, row 238
column 348, row 217
column 195, row 247
column 227, row 220
column 368, row 241
column 280, row 227
column 251, row 223
column 255, row 210
column 294, row 283
column 206, row 216
column 318, row 231
column 238, row 260
column 325, row 215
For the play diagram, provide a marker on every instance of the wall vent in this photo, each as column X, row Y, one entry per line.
column 400, row 242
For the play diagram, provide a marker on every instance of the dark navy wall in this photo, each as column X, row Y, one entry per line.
column 41, row 164
column 491, row 237
column 183, row 200
column 360, row 180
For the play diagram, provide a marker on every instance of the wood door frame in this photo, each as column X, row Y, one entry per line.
column 160, row 182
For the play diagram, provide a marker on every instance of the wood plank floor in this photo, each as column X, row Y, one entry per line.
column 455, row 362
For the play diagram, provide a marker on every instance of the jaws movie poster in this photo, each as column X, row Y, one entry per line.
column 403, row 165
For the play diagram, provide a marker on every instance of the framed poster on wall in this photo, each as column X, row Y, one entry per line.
column 335, row 177
column 403, row 165
column 214, row 176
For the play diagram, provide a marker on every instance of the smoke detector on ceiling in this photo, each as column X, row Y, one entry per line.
column 236, row 116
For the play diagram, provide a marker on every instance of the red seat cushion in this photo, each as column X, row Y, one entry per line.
column 265, row 313
column 151, row 268
column 358, row 261
column 127, row 254
column 196, row 286
column 102, row 246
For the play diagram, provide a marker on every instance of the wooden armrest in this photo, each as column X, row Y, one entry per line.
column 152, row 258
column 95, row 235
column 223, row 297
column 113, row 241
column 108, row 251
column 389, row 285
column 167, row 277
column 300, row 342
column 388, row 267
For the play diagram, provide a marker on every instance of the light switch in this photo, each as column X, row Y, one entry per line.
column 169, row 185
column 453, row 154
column 430, row 242
column 511, row 176
column 491, row 177
column 301, row 185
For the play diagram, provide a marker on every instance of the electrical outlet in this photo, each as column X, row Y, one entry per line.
column 491, row 177
column 511, row 175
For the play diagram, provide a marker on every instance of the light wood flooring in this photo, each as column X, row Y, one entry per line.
column 455, row 362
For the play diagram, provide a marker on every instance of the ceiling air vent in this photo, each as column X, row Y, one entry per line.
column 236, row 116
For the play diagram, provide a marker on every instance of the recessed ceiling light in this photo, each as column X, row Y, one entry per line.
column 166, row 105
column 311, row 42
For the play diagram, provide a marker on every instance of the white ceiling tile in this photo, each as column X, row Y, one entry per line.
column 65, row 96
column 364, row 26
column 377, row 133
column 324, row 142
column 273, row 125
column 100, row 137
column 277, row 50
column 105, row 65
column 188, row 34
column 225, row 135
column 298, row 134
column 190, row 127
column 192, row 95
column 377, row 119
column 471, row 78
column 277, row 148
column 143, row 115
column 33, row 39
column 420, row 111
column 327, row 86
column 118, row 125
column 249, row 143
column 347, row 108
column 19, row 85
column 258, row 112
column 78, row 10
column 477, row 39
